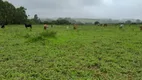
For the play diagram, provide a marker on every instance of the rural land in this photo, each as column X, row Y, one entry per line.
column 66, row 48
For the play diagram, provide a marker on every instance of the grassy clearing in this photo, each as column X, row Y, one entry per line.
column 89, row 53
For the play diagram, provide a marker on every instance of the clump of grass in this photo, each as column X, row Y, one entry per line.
column 43, row 36
column 27, row 35
column 48, row 34
column 37, row 38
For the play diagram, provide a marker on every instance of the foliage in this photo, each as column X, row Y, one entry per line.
column 11, row 15
column 128, row 22
column 62, row 21
column 97, row 23
column 138, row 21
column 36, row 19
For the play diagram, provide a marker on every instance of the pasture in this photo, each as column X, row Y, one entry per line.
column 88, row 53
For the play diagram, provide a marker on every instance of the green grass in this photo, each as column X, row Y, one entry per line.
column 89, row 53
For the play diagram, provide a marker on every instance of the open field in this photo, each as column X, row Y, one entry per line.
column 89, row 53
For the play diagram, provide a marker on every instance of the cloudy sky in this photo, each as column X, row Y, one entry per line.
column 115, row 9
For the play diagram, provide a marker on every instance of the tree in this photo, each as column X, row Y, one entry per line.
column 128, row 22
column 20, row 15
column 62, row 21
column 96, row 23
column 7, row 11
column 36, row 19
column 1, row 11
column 72, row 21
column 138, row 21
column 10, row 14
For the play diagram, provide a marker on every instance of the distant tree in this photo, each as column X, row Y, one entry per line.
column 54, row 22
column 96, row 23
column 72, row 21
column 128, row 22
column 36, row 19
column 138, row 21
column 88, row 23
column 79, row 23
column 62, row 21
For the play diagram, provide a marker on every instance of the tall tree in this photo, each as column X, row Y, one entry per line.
column 20, row 16
column 10, row 14
column 36, row 19
column 1, row 10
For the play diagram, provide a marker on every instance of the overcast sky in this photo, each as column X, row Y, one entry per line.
column 115, row 9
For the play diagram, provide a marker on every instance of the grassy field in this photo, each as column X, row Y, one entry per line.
column 89, row 53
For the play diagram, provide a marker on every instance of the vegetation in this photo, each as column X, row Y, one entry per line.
column 96, row 23
column 61, row 53
column 11, row 15
column 89, row 53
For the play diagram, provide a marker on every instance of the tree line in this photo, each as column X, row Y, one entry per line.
column 62, row 21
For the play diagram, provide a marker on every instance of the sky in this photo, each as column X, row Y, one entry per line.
column 114, row 9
